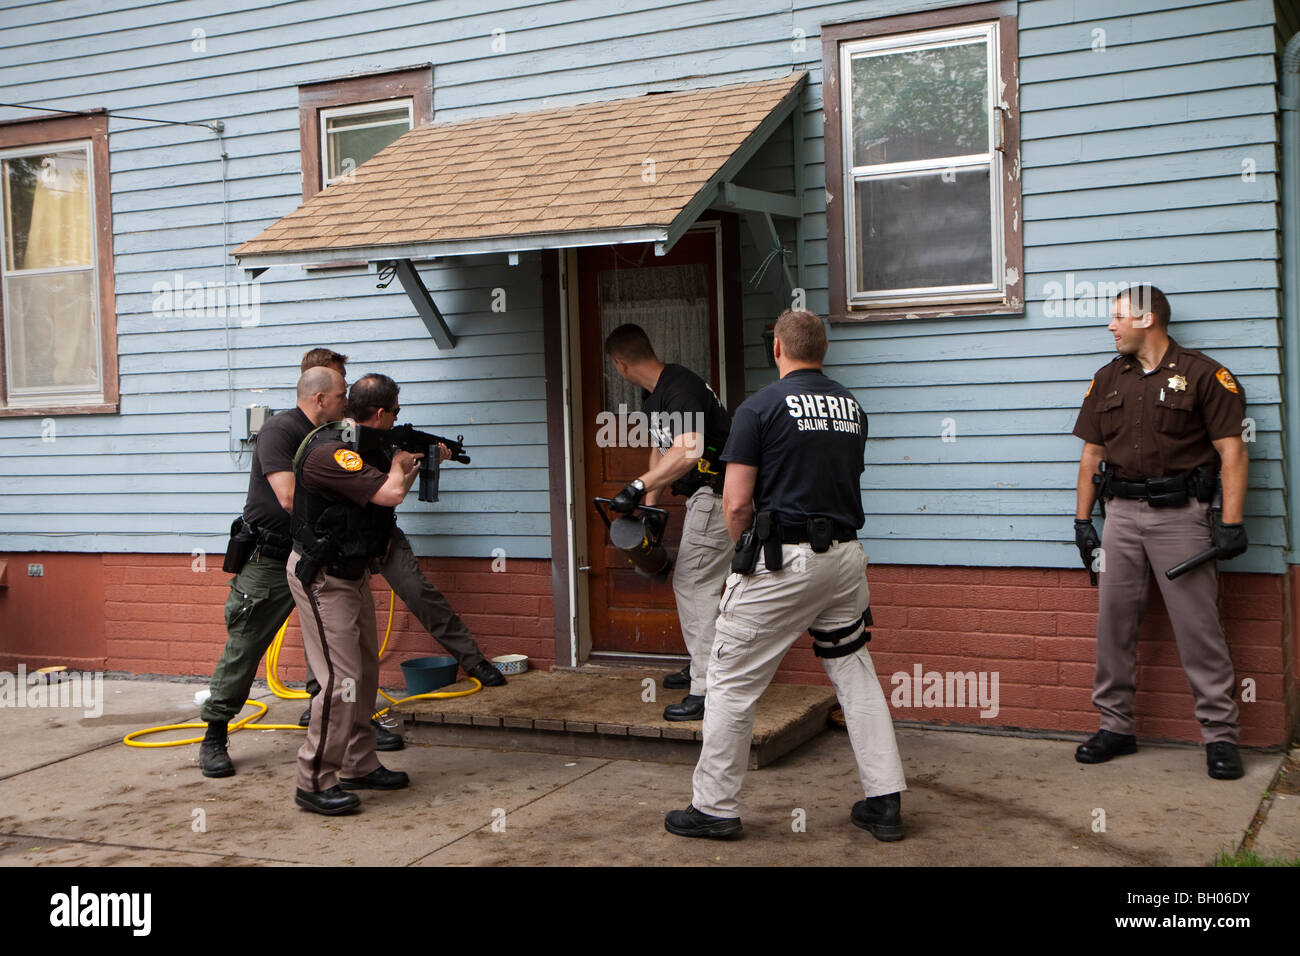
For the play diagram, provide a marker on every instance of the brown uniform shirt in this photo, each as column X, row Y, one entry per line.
column 334, row 467
column 1163, row 423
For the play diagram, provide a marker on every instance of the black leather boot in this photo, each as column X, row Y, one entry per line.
column 881, row 816
column 691, row 708
column 330, row 802
column 1103, row 745
column 214, row 761
column 1223, row 761
column 678, row 680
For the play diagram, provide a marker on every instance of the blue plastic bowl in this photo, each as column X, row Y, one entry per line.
column 426, row 674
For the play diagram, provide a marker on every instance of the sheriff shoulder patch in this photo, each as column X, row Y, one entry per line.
column 1226, row 380
column 347, row 459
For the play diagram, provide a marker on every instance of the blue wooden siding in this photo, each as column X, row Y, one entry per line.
column 1132, row 163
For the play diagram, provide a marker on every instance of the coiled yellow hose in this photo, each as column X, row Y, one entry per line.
column 287, row 693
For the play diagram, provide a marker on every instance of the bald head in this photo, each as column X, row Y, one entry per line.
column 322, row 394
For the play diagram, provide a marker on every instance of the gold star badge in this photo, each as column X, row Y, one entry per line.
column 1178, row 383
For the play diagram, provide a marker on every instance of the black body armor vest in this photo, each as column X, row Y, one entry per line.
column 330, row 531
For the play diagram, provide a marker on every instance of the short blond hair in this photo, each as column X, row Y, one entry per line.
column 802, row 335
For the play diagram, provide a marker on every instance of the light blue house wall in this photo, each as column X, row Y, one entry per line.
column 1132, row 161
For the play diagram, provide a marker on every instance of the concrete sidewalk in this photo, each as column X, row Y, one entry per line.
column 72, row 794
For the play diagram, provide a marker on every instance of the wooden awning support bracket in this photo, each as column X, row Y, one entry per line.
column 758, row 207
column 423, row 302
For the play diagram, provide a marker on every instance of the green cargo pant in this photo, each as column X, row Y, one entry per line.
column 259, row 602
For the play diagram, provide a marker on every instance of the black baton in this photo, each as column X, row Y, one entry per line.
column 1192, row 563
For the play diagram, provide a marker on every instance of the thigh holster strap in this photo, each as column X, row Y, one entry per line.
column 833, row 636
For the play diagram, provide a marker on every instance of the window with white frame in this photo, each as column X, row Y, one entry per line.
column 50, row 281
column 352, row 134
column 922, row 167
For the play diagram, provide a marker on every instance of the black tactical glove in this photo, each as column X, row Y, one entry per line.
column 1086, row 540
column 1230, row 539
column 625, row 501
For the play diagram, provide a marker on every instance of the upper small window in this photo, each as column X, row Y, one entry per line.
column 344, row 122
column 352, row 134
column 929, row 218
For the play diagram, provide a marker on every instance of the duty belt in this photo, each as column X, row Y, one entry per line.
column 1169, row 491
column 798, row 533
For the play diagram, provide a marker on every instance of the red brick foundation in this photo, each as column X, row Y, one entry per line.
column 1036, row 628
column 155, row 614
column 158, row 614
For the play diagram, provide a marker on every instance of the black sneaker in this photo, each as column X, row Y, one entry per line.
column 694, row 823
column 214, row 760
column 679, row 680
column 305, row 719
column 880, row 816
column 1223, row 762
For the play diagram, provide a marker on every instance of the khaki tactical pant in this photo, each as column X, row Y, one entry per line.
column 703, row 562
column 760, row 617
column 338, row 633
column 1136, row 540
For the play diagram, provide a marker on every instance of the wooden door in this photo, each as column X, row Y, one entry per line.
column 675, row 299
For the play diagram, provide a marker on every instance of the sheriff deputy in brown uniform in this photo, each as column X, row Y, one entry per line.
column 1159, row 424
column 342, row 519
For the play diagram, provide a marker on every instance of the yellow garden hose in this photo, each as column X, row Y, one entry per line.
column 287, row 693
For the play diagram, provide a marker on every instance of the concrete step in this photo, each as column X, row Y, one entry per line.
column 603, row 714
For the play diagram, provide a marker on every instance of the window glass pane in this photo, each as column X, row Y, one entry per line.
column 921, row 231
column 349, row 148
column 51, row 336
column 47, row 211
column 672, row 304
column 920, row 104
column 365, row 119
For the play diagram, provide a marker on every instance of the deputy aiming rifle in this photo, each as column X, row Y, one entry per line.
column 408, row 438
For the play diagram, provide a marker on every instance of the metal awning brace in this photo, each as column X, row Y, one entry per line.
column 425, row 307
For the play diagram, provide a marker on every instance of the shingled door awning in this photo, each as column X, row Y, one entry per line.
column 639, row 169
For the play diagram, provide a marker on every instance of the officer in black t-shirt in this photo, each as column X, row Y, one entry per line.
column 793, row 502
column 259, row 598
column 688, row 428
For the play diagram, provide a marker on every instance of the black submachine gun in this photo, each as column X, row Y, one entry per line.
column 640, row 535
column 408, row 438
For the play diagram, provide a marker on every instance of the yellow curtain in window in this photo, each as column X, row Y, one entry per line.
column 53, row 333
column 60, row 233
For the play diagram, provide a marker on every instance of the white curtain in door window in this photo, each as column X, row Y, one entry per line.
column 672, row 304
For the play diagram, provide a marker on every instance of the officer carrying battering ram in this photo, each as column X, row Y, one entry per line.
column 793, row 504
column 1161, row 427
column 342, row 520
column 689, row 427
